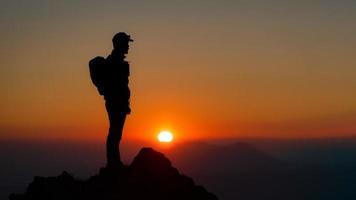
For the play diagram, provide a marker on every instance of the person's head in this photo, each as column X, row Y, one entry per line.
column 121, row 41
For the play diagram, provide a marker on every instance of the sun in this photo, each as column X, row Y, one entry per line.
column 165, row 136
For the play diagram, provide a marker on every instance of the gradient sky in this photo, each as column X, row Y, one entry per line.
column 203, row 69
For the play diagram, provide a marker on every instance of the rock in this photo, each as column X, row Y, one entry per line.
column 150, row 176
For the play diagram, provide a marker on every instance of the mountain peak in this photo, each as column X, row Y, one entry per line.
column 150, row 176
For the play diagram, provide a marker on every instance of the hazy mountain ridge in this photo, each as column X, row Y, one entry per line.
column 249, row 173
column 236, row 157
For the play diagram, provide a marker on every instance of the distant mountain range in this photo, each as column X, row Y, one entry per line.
column 204, row 158
column 241, row 171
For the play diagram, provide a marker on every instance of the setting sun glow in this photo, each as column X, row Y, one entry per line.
column 165, row 136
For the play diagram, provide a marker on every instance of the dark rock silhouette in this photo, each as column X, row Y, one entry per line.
column 150, row 176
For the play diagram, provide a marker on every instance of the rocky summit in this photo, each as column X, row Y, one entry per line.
column 150, row 176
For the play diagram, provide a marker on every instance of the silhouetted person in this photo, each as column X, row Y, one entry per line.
column 111, row 77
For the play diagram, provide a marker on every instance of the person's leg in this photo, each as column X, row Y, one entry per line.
column 112, row 143
column 120, row 126
column 117, row 120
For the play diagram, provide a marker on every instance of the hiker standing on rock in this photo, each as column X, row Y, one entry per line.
column 111, row 77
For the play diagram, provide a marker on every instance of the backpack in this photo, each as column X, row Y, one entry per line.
column 97, row 68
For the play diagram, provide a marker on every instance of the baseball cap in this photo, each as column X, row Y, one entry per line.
column 121, row 36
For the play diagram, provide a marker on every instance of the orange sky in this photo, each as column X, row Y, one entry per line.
column 201, row 69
